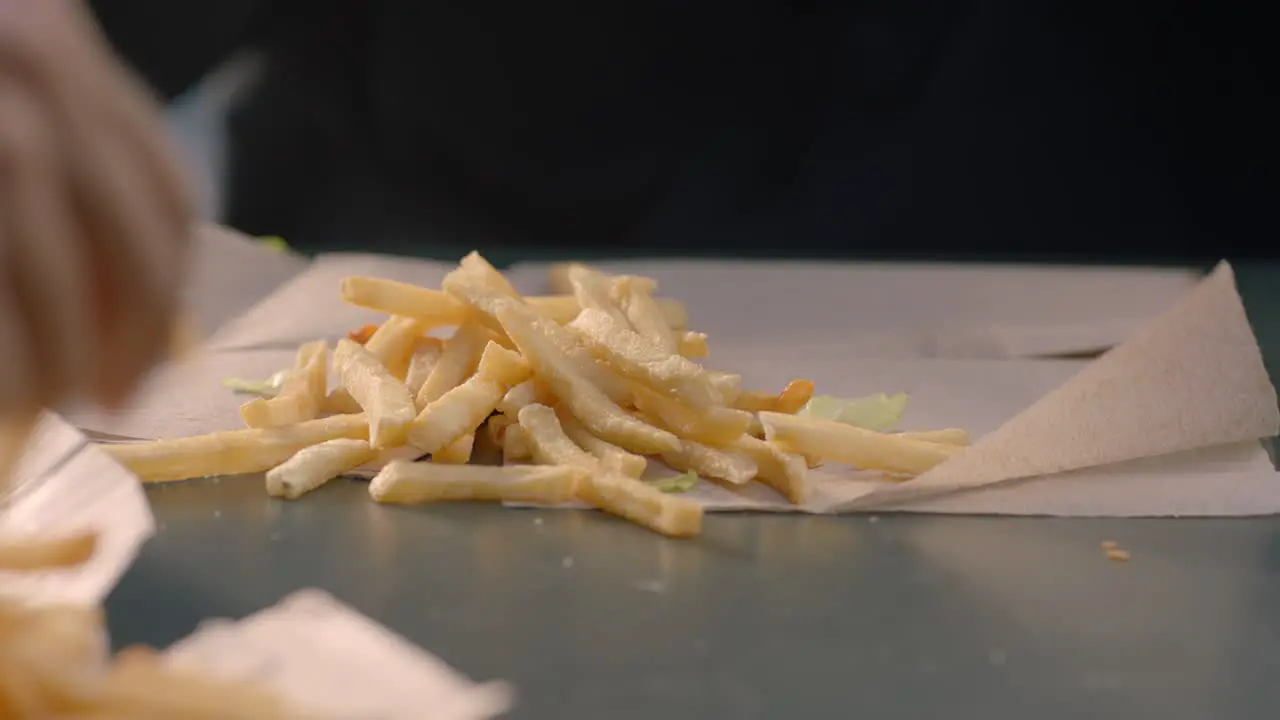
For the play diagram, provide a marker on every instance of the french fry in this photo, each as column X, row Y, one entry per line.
column 948, row 436
column 42, row 553
column 458, row 360
column 385, row 400
column 642, row 504
column 301, row 396
column 515, row 445
column 600, row 414
column 733, row 467
column 393, row 343
column 692, row 345
column 340, row 402
column 312, row 467
column 482, row 288
column 462, row 409
column 784, row 472
column 713, row 426
column 457, row 452
column 635, row 297
column 236, row 452
column 729, row 385
column 638, row 358
column 548, row 442
column 853, row 445
column 609, row 455
column 562, row 309
column 790, row 400
column 432, row 307
column 414, row 483
column 427, row 352
column 503, row 366
column 593, row 291
column 526, row 393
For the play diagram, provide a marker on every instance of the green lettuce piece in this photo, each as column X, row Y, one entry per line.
column 676, row 483
column 877, row 412
column 276, row 243
column 265, row 388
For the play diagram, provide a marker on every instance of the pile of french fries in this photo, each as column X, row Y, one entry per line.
column 530, row 400
column 55, row 661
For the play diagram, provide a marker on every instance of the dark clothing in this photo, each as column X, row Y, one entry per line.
column 841, row 128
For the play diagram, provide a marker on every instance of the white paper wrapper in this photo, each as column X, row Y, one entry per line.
column 336, row 663
column 67, row 485
column 229, row 273
column 1190, row 381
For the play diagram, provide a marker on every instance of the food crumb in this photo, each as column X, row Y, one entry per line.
column 1117, row 555
column 1109, row 545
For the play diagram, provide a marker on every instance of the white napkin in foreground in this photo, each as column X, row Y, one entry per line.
column 65, row 486
column 333, row 661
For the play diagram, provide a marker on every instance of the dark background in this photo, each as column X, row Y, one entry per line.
column 993, row 129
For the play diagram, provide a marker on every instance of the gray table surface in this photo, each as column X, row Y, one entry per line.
column 764, row 617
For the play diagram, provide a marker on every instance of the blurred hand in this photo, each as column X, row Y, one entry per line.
column 94, row 213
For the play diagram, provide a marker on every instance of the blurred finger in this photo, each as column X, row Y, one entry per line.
column 50, row 278
column 134, row 257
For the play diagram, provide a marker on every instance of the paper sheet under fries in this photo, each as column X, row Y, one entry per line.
column 66, row 485
column 337, row 663
column 229, row 273
column 920, row 310
column 1189, row 389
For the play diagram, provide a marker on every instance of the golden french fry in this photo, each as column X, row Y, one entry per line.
column 457, row 452
column 562, row 309
column 461, row 410
column 713, row 426
column 593, row 290
column 385, row 400
column 483, row 290
column 693, row 345
column 548, row 442
column 781, row 471
column 41, row 553
column 729, row 385
column 642, row 504
column 790, row 400
column 393, row 343
column 503, row 366
column 411, row 483
column 852, row 445
column 600, row 414
column 635, row 297
column 432, row 307
column 427, row 352
column 237, row 452
column 340, row 402
column 474, row 262
column 458, row 360
column 609, row 455
column 948, row 436
column 314, row 466
column 731, row 466
column 301, row 396
column 454, row 414
column 516, row 447
column 639, row 359
column 526, row 393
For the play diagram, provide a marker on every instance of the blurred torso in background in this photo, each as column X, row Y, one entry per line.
column 983, row 127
